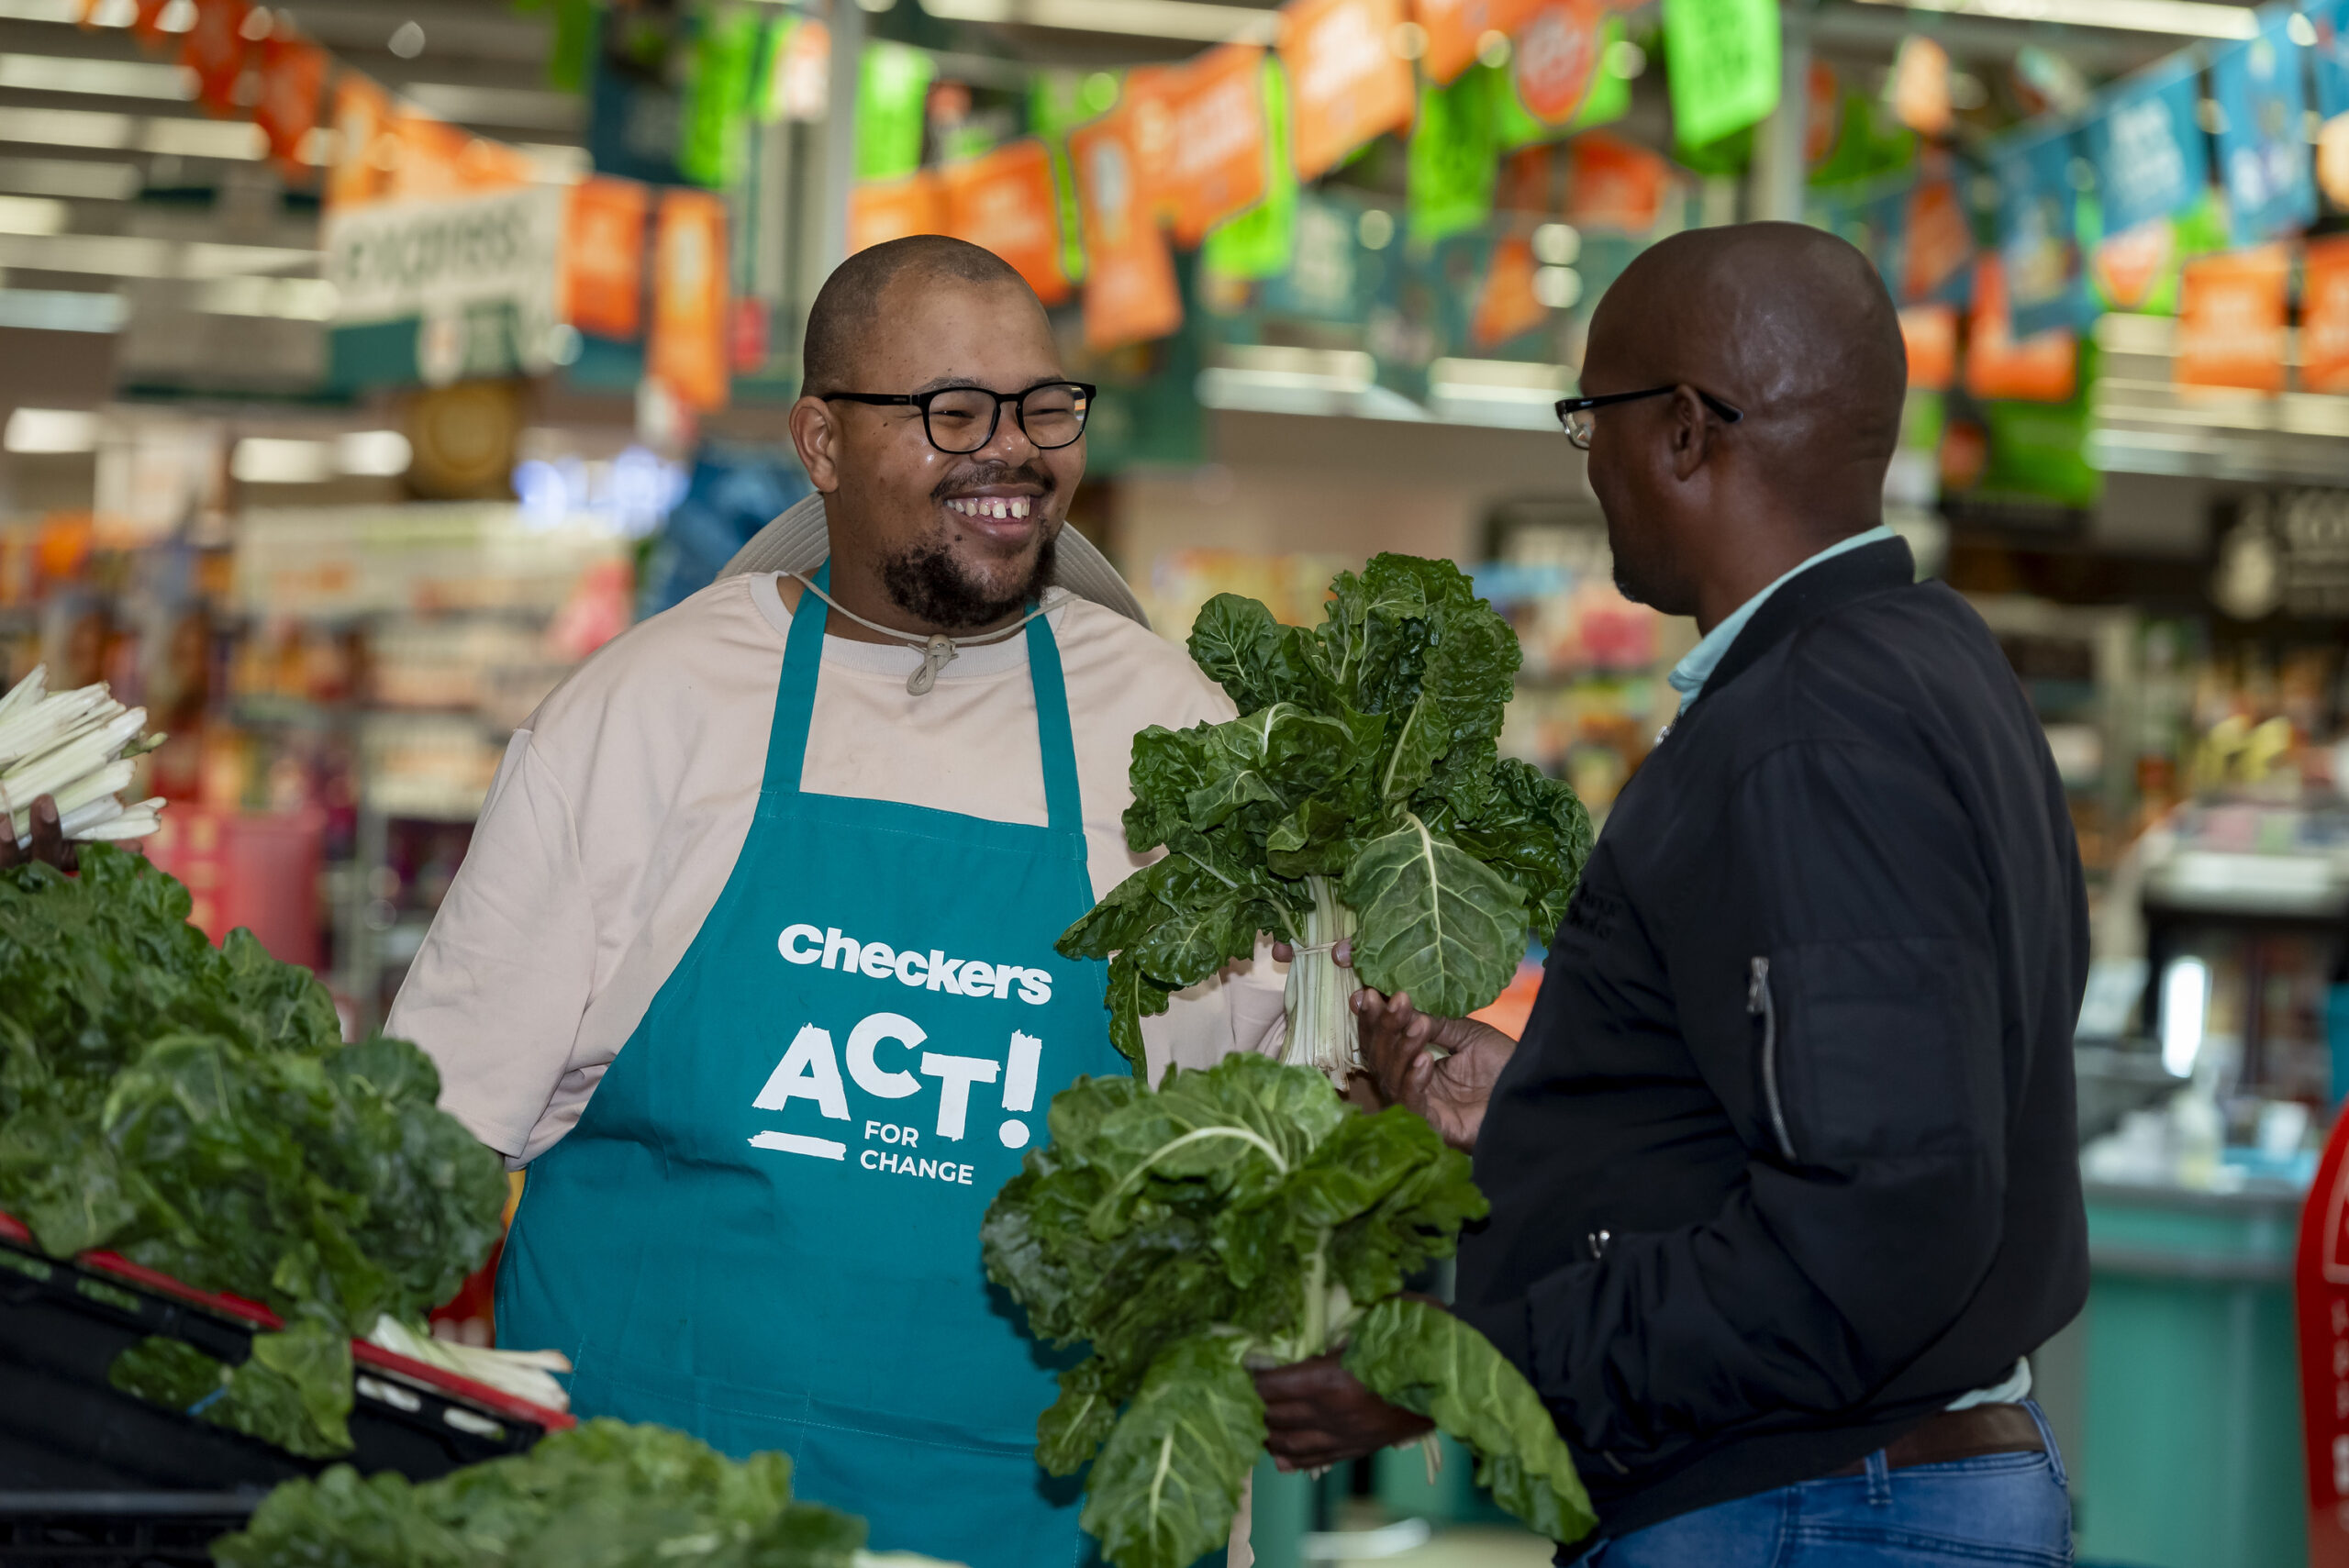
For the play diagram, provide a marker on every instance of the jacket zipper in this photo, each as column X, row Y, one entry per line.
column 1758, row 1004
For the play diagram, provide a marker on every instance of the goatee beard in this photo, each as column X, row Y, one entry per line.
column 930, row 585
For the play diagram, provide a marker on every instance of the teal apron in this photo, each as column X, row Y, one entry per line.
column 764, row 1229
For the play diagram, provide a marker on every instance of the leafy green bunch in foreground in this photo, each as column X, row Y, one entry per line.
column 1246, row 1216
column 1358, row 795
column 195, row 1109
column 606, row 1494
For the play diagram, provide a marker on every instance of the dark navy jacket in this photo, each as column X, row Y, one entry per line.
column 1787, row 1158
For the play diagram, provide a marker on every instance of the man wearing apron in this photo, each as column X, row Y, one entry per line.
column 750, row 962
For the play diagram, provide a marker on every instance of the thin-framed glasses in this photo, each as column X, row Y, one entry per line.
column 1573, row 413
column 962, row 418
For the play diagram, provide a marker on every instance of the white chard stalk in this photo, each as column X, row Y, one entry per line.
column 76, row 748
column 1319, row 999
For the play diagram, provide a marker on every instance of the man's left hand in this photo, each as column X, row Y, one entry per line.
column 1317, row 1414
column 50, row 843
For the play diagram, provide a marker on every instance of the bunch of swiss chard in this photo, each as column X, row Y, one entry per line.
column 1358, row 795
column 606, row 1493
column 1236, row 1217
column 195, row 1109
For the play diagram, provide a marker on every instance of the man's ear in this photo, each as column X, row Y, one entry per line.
column 816, row 431
column 1692, row 432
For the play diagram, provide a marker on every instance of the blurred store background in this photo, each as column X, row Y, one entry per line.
column 366, row 364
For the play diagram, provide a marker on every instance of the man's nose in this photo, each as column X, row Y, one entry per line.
column 1009, row 444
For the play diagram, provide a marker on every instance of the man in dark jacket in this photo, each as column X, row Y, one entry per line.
column 1784, row 1175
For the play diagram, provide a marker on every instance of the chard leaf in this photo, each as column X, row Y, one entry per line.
column 1535, row 830
column 1167, row 1482
column 1072, row 1429
column 1132, row 996
column 1423, row 1359
column 1436, row 921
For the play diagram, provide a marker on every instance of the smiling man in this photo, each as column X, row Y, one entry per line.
column 751, row 962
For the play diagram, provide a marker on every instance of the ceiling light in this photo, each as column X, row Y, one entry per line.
column 52, row 430
column 376, row 454
column 1557, row 245
column 32, row 215
column 286, row 299
column 66, row 127
column 1375, row 229
column 525, row 107
column 49, row 11
column 406, row 40
column 257, row 24
column 124, row 256
column 1189, row 19
column 176, row 17
column 268, row 459
column 1560, row 288
column 1493, row 50
column 2178, row 18
column 69, row 177
column 114, row 13
column 62, row 310
column 204, row 138
column 97, row 78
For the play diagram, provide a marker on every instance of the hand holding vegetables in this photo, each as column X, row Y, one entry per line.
column 1441, row 1070
column 44, row 841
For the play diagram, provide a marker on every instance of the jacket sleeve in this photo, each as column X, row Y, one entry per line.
column 1834, row 972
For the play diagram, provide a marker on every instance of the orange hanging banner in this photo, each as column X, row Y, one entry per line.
column 1457, row 29
column 362, row 111
column 2040, row 368
column 1557, row 57
column 1147, row 99
column 293, row 80
column 2324, row 315
column 1213, row 162
column 1006, row 202
column 688, row 350
column 1131, row 293
column 1929, row 334
column 883, row 210
column 1940, row 239
column 1506, row 305
column 215, row 51
column 1346, row 82
column 1613, row 184
column 603, row 257
column 2231, row 320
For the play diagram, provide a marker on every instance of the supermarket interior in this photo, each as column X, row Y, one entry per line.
column 367, row 366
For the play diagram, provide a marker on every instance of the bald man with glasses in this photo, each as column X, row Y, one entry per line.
column 1784, row 1174
column 751, row 962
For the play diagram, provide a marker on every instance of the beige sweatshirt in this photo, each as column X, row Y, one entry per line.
column 619, row 812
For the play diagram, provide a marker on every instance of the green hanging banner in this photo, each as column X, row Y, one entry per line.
column 716, row 107
column 1721, row 66
column 892, row 88
column 1260, row 242
column 1454, row 154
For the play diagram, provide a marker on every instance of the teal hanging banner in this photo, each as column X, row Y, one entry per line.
column 2152, row 158
column 2262, row 147
column 2038, row 231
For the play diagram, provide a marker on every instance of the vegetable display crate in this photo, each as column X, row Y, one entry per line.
column 118, row 1529
column 91, row 1474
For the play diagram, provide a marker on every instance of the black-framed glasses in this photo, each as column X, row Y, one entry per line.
column 962, row 418
column 1573, row 413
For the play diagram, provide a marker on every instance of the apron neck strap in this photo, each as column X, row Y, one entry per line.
column 795, row 700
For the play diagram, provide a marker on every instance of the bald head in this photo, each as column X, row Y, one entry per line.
column 848, row 307
column 1781, row 320
column 1790, row 328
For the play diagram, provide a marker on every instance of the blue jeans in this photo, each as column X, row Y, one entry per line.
column 2003, row 1509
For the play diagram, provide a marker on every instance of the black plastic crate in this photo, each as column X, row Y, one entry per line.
column 63, row 1428
column 118, row 1529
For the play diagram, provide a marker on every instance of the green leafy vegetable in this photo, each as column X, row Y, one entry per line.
column 606, row 1494
column 197, row 1110
column 1359, row 794
column 1236, row 1217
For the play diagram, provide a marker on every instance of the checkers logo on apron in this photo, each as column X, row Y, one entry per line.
column 764, row 1229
